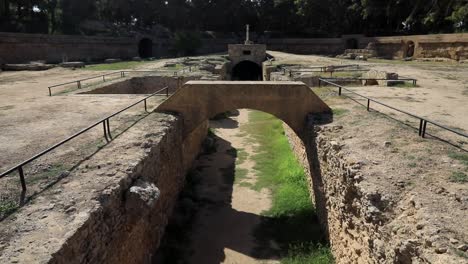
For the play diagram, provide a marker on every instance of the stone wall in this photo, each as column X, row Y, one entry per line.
column 451, row 46
column 21, row 48
column 144, row 85
column 366, row 218
column 252, row 52
column 326, row 46
column 111, row 208
column 351, row 217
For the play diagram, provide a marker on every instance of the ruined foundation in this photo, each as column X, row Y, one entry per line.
column 112, row 208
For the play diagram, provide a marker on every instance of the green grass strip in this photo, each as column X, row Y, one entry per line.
column 292, row 218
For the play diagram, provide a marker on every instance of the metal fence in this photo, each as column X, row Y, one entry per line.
column 422, row 121
column 325, row 69
column 106, row 130
column 412, row 80
column 121, row 73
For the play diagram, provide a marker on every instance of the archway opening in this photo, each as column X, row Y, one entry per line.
column 410, row 49
column 145, row 48
column 247, row 71
column 225, row 182
column 351, row 43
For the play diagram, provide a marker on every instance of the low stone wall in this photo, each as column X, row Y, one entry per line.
column 144, row 85
column 23, row 48
column 112, row 208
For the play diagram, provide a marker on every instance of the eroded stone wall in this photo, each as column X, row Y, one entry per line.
column 21, row 48
column 351, row 217
column 113, row 208
column 367, row 216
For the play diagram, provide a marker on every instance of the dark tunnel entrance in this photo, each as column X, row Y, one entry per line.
column 247, row 71
column 145, row 48
column 352, row 43
column 410, row 49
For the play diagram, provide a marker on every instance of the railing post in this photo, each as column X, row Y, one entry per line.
column 423, row 133
column 339, row 90
column 103, row 78
column 105, row 130
column 167, row 91
column 146, row 108
column 368, row 104
column 319, row 82
column 414, row 83
column 78, row 84
column 50, row 92
column 108, row 128
column 420, row 127
column 23, row 182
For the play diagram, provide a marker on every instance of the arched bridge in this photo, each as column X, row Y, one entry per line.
column 198, row 101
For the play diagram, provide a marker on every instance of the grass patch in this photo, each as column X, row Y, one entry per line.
column 240, row 174
column 403, row 85
column 462, row 157
column 7, row 207
column 339, row 111
column 308, row 254
column 291, row 220
column 241, row 156
column 123, row 65
column 53, row 172
column 459, row 177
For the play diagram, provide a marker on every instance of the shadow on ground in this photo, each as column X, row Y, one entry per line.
column 204, row 224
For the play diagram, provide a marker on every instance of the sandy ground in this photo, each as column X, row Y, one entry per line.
column 223, row 229
column 30, row 120
column 441, row 95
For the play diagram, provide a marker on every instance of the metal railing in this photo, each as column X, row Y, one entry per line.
column 422, row 121
column 107, row 135
column 325, row 69
column 414, row 81
column 122, row 75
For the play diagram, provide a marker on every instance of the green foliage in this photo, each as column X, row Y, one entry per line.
column 459, row 177
column 6, row 207
column 186, row 43
column 463, row 157
column 278, row 170
column 308, row 254
column 339, row 111
column 294, row 18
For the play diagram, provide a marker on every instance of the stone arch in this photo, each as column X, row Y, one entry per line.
column 410, row 47
column 246, row 71
column 292, row 102
column 352, row 43
column 145, row 48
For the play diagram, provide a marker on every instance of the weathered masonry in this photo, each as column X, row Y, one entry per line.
column 113, row 207
column 21, row 48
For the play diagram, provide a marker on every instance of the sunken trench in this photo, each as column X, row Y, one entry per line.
column 141, row 198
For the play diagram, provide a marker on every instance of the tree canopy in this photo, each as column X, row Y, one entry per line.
column 298, row 18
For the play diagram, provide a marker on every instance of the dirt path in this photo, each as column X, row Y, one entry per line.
column 223, row 229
